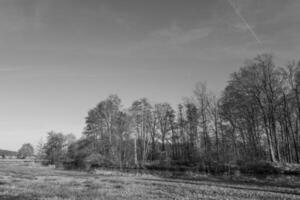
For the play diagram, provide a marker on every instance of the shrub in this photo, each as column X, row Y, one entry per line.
column 167, row 166
column 96, row 160
column 260, row 167
column 289, row 169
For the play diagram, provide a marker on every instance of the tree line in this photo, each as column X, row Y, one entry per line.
column 256, row 118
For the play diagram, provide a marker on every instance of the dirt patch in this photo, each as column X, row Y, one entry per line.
column 3, row 183
column 113, row 181
column 118, row 186
column 24, row 176
column 18, row 197
column 50, row 179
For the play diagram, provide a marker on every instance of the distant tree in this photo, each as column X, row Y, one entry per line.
column 192, row 122
column 214, row 112
column 39, row 150
column 25, row 151
column 123, row 136
column 256, row 118
column 203, row 102
column 290, row 117
column 79, row 150
column 54, row 147
column 101, row 126
column 183, row 145
column 260, row 105
column 108, row 131
column 163, row 111
column 141, row 112
column 69, row 139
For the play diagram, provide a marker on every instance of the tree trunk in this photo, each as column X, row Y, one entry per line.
column 135, row 153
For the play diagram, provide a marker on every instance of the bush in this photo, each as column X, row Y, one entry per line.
column 96, row 160
column 167, row 166
column 289, row 169
column 184, row 163
column 260, row 167
column 155, row 165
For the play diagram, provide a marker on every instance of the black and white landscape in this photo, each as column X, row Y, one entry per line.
column 148, row 99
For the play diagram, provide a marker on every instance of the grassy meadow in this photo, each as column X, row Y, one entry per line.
column 27, row 181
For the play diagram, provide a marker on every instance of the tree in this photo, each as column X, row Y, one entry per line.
column 192, row 123
column 123, row 130
column 182, row 136
column 249, row 104
column 100, row 125
column 289, row 120
column 257, row 117
column 26, row 150
column 40, row 151
column 202, row 99
column 215, row 115
column 162, row 111
column 141, row 112
column 54, row 147
column 108, row 131
column 259, row 105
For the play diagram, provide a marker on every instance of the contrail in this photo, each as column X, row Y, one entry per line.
column 244, row 21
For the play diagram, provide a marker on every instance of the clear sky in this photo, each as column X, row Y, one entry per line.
column 59, row 58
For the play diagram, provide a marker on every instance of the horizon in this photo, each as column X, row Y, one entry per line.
column 58, row 59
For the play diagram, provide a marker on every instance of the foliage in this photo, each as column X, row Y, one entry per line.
column 26, row 150
column 260, row 167
column 257, row 117
column 55, row 148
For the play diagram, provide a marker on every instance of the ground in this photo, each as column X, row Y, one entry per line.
column 25, row 181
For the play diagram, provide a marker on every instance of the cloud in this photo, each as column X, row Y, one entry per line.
column 243, row 19
column 172, row 37
column 190, row 36
column 177, row 36
column 241, row 27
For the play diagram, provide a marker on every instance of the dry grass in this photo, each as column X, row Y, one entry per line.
column 20, row 181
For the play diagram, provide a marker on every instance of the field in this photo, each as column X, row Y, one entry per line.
column 25, row 181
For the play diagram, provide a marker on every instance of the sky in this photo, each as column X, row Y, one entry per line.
column 59, row 58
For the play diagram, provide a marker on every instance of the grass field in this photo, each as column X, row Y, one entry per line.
column 21, row 181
